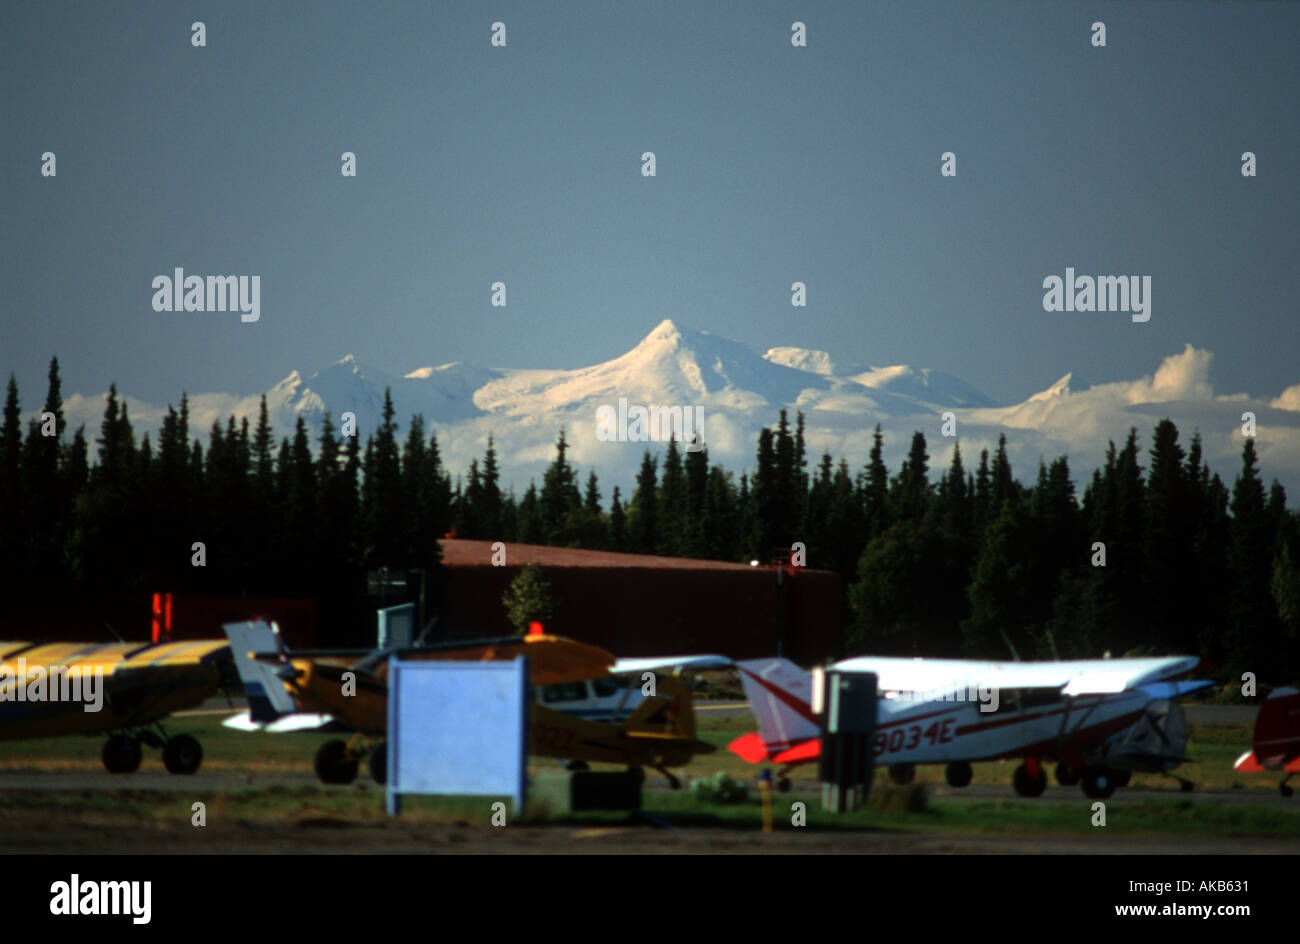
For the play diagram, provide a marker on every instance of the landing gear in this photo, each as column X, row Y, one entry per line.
column 1186, row 786
column 958, row 774
column 121, row 754
column 1098, row 783
column 182, row 755
column 673, row 782
column 902, row 774
column 1027, row 783
column 379, row 764
column 335, row 763
column 1284, row 788
column 1122, row 777
column 783, row 785
column 1066, row 775
column 637, row 774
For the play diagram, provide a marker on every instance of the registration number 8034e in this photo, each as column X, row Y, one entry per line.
column 908, row 737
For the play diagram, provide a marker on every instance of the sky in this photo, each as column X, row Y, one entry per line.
column 522, row 164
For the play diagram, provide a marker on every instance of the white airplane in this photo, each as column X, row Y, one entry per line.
column 1099, row 719
column 616, row 697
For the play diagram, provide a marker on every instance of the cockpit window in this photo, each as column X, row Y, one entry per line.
column 604, row 687
column 1024, row 699
column 564, row 691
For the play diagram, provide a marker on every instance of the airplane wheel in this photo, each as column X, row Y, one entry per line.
column 902, row 774
column 1121, row 777
column 1026, row 785
column 1285, row 789
column 783, row 785
column 1066, row 775
column 121, row 754
column 1186, row 786
column 379, row 764
column 577, row 766
column 1098, row 783
column 958, row 774
column 182, row 755
column 334, row 764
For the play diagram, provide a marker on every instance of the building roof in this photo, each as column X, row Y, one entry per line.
column 457, row 552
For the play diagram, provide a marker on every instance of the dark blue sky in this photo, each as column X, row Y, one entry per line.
column 522, row 164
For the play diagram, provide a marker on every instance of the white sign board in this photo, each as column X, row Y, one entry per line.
column 457, row 729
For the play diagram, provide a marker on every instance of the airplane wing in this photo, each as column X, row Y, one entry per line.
column 142, row 683
column 1109, row 676
column 1077, row 677
column 651, row 663
column 1163, row 690
column 153, row 681
column 551, row 659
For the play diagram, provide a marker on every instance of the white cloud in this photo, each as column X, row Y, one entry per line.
column 1184, row 376
column 1289, row 400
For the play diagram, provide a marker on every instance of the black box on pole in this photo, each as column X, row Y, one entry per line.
column 848, row 725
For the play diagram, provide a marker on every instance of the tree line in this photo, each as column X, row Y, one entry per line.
column 1159, row 555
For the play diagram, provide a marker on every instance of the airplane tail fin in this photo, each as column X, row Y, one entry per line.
column 1277, row 726
column 670, row 711
column 267, row 697
column 780, row 696
column 684, row 711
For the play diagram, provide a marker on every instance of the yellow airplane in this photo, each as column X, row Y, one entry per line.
column 658, row 733
column 49, row 689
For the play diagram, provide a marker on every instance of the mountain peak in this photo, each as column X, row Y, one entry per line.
column 670, row 339
column 1059, row 389
column 815, row 362
column 665, row 334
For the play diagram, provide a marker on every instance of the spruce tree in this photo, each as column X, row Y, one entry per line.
column 617, row 524
column 490, row 504
column 875, row 488
column 673, row 511
column 643, row 514
column 1251, row 630
column 560, row 497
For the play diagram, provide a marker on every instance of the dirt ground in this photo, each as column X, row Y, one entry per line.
column 25, row 831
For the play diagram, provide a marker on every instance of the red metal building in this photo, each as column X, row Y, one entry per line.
column 641, row 605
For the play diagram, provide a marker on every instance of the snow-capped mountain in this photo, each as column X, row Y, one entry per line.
column 924, row 384
column 441, row 394
column 676, row 364
column 673, row 364
column 736, row 392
